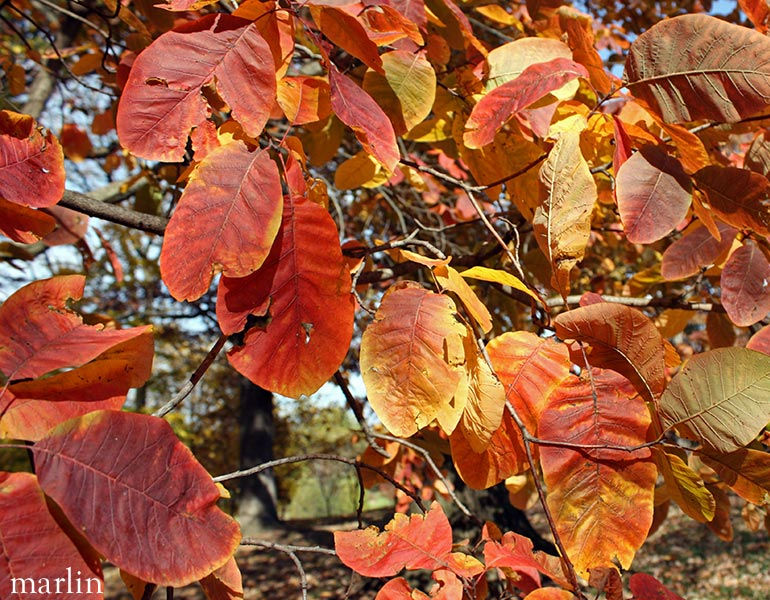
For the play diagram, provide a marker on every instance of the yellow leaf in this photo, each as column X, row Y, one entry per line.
column 501, row 277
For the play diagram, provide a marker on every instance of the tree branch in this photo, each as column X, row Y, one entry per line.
column 114, row 214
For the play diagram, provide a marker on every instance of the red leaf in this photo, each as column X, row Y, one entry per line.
column 414, row 10
column 71, row 226
column 449, row 588
column 31, row 164
column 646, row 587
column 760, row 341
column 226, row 220
column 303, row 289
column 357, row 110
column 28, row 410
column 514, row 551
column 75, row 142
column 22, row 224
column 653, row 194
column 623, row 144
column 415, row 542
column 745, row 280
column 162, row 100
column 503, row 102
column 111, row 472
column 695, row 250
column 39, row 334
column 36, row 549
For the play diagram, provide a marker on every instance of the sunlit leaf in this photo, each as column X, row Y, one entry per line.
column 737, row 196
column 744, row 281
column 720, row 398
column 696, row 249
column 685, row 486
column 410, row 357
column 746, row 471
column 602, row 499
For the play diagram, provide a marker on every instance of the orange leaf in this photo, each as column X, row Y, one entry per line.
column 745, row 279
column 410, row 357
column 75, row 142
column 301, row 296
column 22, row 224
column 758, row 11
column 304, row 99
column 40, row 334
column 602, row 499
column 225, row 583
column 347, row 32
column 162, row 99
column 622, row 339
column 27, row 529
column 449, row 588
column 226, row 220
column 503, row 457
column 653, row 194
column 530, row 368
column 550, row 594
column 87, row 463
column 737, row 196
column 31, row 164
column 414, row 542
column 503, row 102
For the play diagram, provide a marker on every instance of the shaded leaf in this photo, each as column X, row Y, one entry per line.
column 562, row 222
column 737, row 196
column 724, row 76
column 449, row 588
column 746, row 471
column 75, row 142
column 622, row 339
column 602, row 499
column 410, row 357
column 302, row 296
column 744, row 281
column 162, row 99
column 449, row 279
column 35, row 546
column 226, row 220
column 696, row 249
column 720, row 398
column 225, row 583
column 653, row 194
column 757, row 157
column 760, row 341
column 503, row 102
column 86, row 464
column 685, row 486
column 22, row 224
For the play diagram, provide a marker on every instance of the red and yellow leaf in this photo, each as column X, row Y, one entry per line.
column 602, row 499
column 226, row 220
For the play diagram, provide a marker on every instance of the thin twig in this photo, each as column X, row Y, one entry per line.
column 354, row 406
column 194, row 378
column 250, row 541
column 332, row 457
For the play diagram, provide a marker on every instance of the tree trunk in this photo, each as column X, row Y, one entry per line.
column 257, row 495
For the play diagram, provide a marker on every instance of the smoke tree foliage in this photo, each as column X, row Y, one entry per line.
column 544, row 273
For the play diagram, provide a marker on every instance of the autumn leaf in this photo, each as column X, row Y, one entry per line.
column 302, row 303
column 653, row 194
column 646, row 587
column 530, row 368
column 685, row 486
column 28, row 531
column 562, row 222
column 360, row 112
column 720, row 398
column 724, row 76
column 22, row 224
column 744, row 283
column 347, row 32
column 696, row 249
column 407, row 542
column 621, row 338
column 162, row 99
column 503, row 102
column 130, row 456
column 411, row 356
column 746, row 471
column 226, row 220
column 737, row 196
column 602, row 499
column 31, row 163
column 225, row 583
column 304, row 99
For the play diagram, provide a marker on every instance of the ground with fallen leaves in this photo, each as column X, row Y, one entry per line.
column 683, row 554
